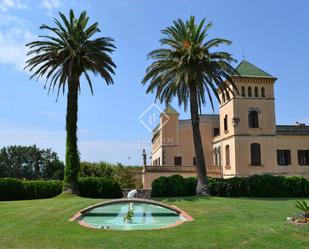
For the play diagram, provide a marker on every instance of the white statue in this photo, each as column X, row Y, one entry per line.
column 132, row 193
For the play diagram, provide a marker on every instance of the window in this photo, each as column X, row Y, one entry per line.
column 225, row 123
column 249, row 92
column 256, row 154
column 228, row 96
column 243, row 94
column 253, row 119
column 303, row 157
column 256, row 92
column 217, row 153
column 194, row 161
column 216, row 132
column 223, row 97
column 178, row 160
column 263, row 92
column 284, row 157
column 227, row 155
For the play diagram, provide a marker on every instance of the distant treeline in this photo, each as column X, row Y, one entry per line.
column 32, row 163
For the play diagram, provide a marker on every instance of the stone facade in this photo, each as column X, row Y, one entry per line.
column 242, row 140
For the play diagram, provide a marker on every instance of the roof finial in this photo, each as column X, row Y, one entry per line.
column 243, row 52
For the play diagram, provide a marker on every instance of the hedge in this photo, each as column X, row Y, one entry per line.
column 99, row 187
column 15, row 189
column 253, row 186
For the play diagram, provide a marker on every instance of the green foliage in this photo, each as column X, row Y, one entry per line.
column 15, row 189
column 99, row 187
column 125, row 175
column 61, row 58
column 101, row 169
column 188, row 67
column 188, row 59
column 174, row 185
column 253, row 186
column 30, row 162
column 304, row 207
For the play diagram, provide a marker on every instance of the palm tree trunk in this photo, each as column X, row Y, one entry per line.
column 72, row 163
column 202, row 184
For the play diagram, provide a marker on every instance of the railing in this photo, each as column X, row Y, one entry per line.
column 182, row 169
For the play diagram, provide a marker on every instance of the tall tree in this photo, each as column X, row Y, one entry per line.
column 62, row 58
column 186, row 67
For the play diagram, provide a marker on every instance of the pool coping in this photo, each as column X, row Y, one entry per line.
column 174, row 208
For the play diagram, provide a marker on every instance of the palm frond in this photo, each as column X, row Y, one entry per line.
column 68, row 51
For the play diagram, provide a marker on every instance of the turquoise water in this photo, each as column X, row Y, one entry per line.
column 146, row 216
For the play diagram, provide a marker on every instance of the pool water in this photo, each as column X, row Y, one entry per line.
column 146, row 216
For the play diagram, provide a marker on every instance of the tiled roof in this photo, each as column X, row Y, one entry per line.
column 292, row 130
column 246, row 69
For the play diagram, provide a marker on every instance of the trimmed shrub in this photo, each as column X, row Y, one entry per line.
column 175, row 185
column 253, row 186
column 15, row 189
column 99, row 187
column 190, row 188
column 42, row 189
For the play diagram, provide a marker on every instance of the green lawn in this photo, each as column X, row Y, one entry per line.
column 219, row 223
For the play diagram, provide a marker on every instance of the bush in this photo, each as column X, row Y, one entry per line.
column 174, row 185
column 99, row 187
column 15, row 189
column 253, row 186
column 125, row 175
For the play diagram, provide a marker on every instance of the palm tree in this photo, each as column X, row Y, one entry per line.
column 62, row 59
column 187, row 68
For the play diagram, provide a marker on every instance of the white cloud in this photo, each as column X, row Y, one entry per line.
column 6, row 5
column 50, row 5
column 12, row 43
column 14, row 34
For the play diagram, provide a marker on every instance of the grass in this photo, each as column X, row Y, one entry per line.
column 219, row 223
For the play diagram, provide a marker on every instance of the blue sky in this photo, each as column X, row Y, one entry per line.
column 273, row 34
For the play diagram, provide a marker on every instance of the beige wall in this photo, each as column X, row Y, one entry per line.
column 185, row 147
column 293, row 143
column 176, row 136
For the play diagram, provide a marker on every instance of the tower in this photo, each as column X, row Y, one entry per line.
column 247, row 123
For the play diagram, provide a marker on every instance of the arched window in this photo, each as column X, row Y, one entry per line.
column 243, row 94
column 227, row 155
column 223, row 97
column 256, row 92
column 263, row 92
column 225, row 123
column 249, row 91
column 253, row 119
column 256, row 154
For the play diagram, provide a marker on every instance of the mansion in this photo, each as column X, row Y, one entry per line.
column 242, row 140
